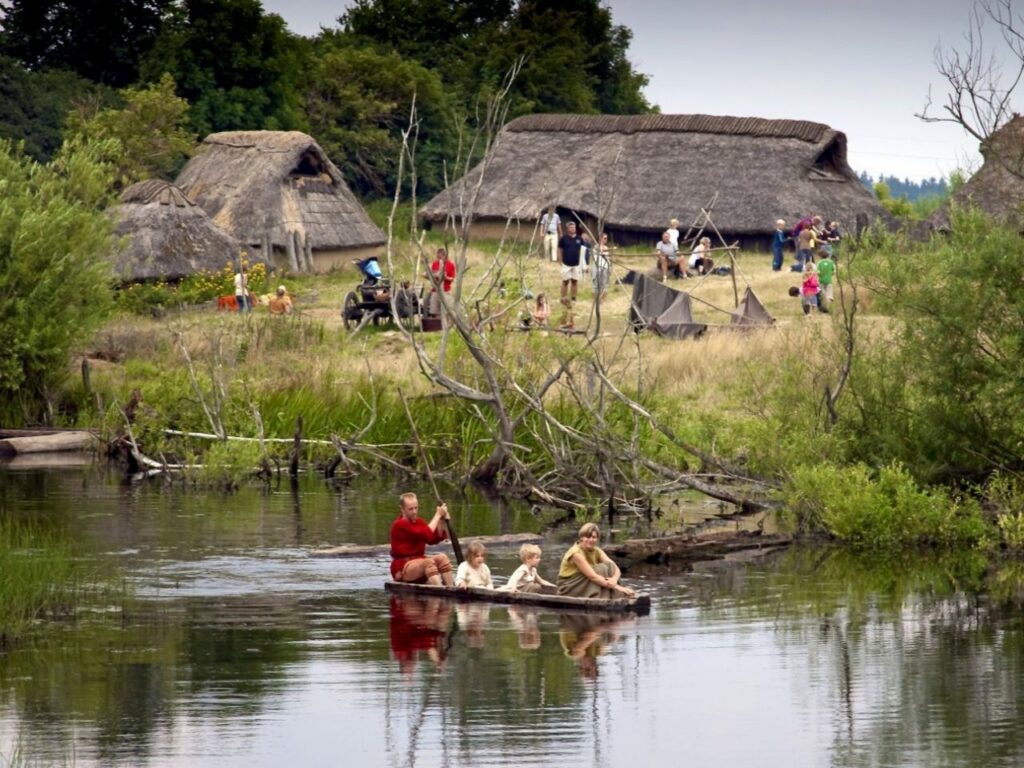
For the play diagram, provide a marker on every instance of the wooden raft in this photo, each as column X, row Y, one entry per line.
column 640, row 605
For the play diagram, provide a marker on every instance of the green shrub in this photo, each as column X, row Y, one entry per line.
column 882, row 513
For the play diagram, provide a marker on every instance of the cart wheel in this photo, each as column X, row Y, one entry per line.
column 350, row 311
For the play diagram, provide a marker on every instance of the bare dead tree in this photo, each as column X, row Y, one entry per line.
column 983, row 78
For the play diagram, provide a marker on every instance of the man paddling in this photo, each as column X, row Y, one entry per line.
column 410, row 535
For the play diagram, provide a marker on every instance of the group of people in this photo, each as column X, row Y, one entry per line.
column 585, row 569
column 279, row 303
column 811, row 238
column 575, row 251
column 670, row 258
column 815, row 243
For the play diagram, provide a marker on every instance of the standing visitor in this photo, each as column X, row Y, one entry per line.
column 601, row 267
column 571, row 250
column 778, row 240
column 442, row 273
column 551, row 226
column 242, row 289
column 826, row 275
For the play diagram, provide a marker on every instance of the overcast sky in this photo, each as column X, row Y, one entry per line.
column 863, row 67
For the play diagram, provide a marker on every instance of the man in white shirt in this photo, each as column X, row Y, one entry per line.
column 668, row 256
column 551, row 226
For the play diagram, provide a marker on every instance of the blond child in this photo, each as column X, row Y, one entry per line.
column 525, row 578
column 473, row 571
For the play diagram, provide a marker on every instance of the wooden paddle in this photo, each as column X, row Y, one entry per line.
column 447, row 522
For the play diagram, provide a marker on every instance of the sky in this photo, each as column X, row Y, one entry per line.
column 864, row 67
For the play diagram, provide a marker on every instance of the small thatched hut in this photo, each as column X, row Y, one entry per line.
column 998, row 186
column 279, row 189
column 637, row 172
column 166, row 235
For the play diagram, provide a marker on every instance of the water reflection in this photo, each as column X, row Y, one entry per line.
column 585, row 636
column 419, row 625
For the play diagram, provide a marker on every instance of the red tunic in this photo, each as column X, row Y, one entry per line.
column 449, row 273
column 409, row 541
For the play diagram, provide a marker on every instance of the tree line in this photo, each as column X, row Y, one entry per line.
column 352, row 86
column 906, row 188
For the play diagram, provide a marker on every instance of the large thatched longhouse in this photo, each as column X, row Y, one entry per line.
column 279, row 187
column 637, row 172
column 164, row 235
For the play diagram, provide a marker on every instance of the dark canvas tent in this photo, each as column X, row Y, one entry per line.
column 751, row 311
column 664, row 310
column 669, row 312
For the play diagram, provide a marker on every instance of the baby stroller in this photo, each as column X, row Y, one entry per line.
column 372, row 298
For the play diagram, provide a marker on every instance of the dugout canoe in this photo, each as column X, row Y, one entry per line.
column 640, row 605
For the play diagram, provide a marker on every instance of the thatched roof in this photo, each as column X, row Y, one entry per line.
column 253, row 183
column 637, row 172
column 998, row 186
column 167, row 235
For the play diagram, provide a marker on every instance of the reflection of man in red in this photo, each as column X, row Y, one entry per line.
column 419, row 625
column 410, row 535
column 442, row 272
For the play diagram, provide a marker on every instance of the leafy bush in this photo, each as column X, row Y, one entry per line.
column 882, row 513
column 54, row 273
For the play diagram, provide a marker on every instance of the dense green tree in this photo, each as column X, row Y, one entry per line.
column 358, row 102
column 145, row 138
column 35, row 105
column 103, row 44
column 55, row 280
column 236, row 65
column 575, row 57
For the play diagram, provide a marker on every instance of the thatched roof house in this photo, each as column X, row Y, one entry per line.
column 998, row 186
column 166, row 235
column 279, row 187
column 637, row 172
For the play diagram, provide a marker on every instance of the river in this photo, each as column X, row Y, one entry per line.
column 238, row 649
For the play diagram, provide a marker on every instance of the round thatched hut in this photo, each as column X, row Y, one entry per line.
column 635, row 173
column 166, row 235
column 278, row 191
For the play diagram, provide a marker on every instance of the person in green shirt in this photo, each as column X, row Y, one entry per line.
column 586, row 571
column 826, row 276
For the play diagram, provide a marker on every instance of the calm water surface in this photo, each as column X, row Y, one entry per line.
column 240, row 650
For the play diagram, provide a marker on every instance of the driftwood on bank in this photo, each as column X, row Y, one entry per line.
column 690, row 547
column 374, row 550
column 48, row 443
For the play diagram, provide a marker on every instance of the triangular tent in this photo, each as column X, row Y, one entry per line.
column 664, row 310
column 751, row 311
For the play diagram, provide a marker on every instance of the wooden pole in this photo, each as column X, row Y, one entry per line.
column 289, row 244
column 308, row 250
column 293, row 465
column 453, row 537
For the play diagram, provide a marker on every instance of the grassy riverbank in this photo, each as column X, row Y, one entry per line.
column 843, row 419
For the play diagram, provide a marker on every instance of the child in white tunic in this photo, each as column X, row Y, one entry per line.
column 525, row 578
column 473, row 571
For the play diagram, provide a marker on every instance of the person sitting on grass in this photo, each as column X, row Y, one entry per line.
column 281, row 303
column 668, row 257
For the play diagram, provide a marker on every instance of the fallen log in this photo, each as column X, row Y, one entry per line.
column 689, row 547
column 52, row 443
column 376, row 550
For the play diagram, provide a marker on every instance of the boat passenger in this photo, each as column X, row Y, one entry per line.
column 586, row 571
column 473, row 571
column 525, row 578
column 410, row 535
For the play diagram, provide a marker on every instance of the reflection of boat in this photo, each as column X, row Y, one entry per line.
column 640, row 605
